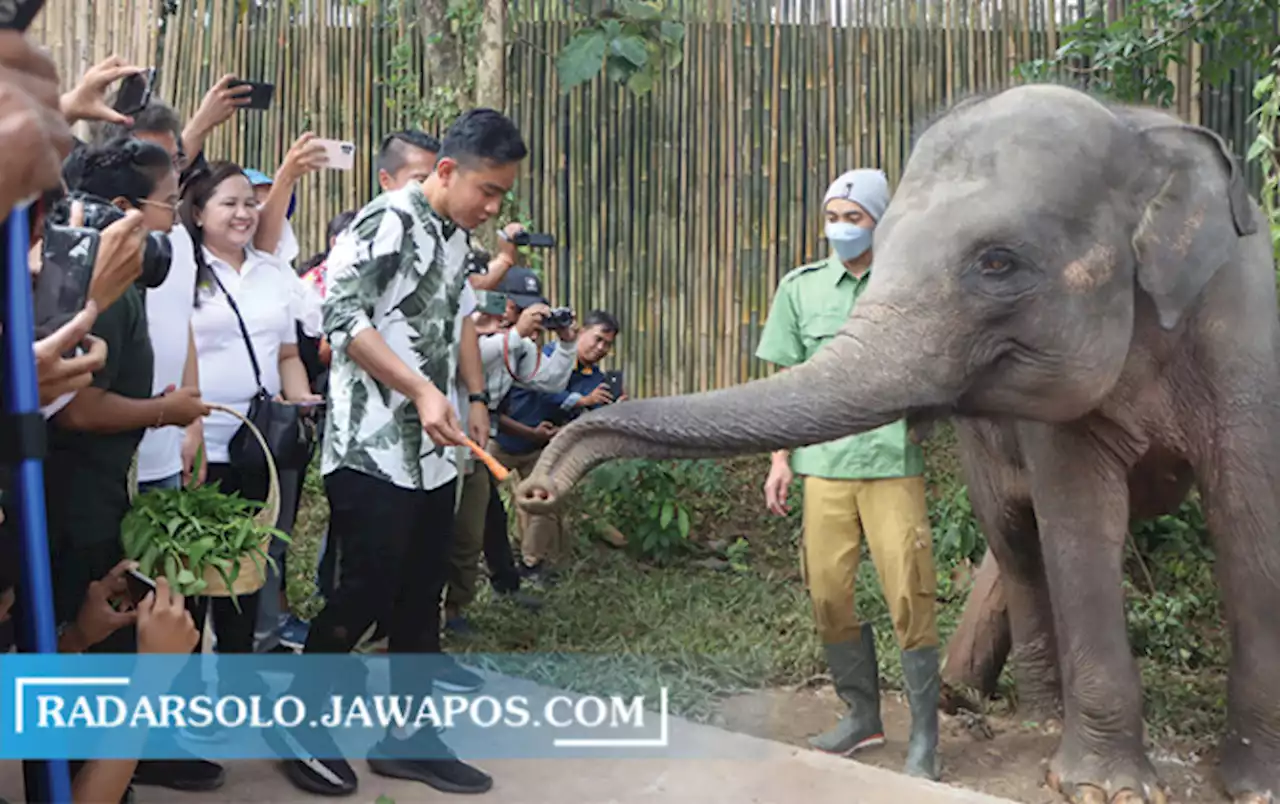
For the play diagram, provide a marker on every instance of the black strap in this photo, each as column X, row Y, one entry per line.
column 244, row 331
column 23, row 436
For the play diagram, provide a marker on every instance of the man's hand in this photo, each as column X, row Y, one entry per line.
column 778, row 484
column 478, row 424
column 193, row 446
column 88, row 101
column 600, row 395
column 181, row 406
column 34, row 136
column 219, row 104
column 546, row 431
column 439, row 419
column 119, row 264
column 98, row 618
column 164, row 624
column 530, row 320
column 567, row 335
column 506, row 248
column 304, row 156
column 58, row 375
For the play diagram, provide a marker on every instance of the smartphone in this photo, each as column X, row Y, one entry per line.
column 261, row 95
column 135, row 92
column 491, row 302
column 139, row 585
column 16, row 15
column 67, row 256
column 342, row 155
column 614, row 379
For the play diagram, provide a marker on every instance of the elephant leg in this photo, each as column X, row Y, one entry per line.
column 1007, row 520
column 1241, row 509
column 1080, row 491
column 979, row 647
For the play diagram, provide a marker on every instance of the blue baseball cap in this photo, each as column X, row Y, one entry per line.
column 259, row 179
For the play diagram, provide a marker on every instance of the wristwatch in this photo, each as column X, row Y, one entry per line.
column 482, row 398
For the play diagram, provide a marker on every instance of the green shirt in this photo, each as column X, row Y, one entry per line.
column 811, row 305
column 92, row 469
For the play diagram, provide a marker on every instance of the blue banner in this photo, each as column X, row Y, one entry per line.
column 87, row 706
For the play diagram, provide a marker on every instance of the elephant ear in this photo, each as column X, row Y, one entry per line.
column 1190, row 226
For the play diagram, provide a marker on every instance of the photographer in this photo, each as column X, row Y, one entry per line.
column 511, row 358
column 531, row 418
column 93, row 439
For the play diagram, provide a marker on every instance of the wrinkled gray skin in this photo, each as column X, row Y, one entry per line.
column 1069, row 282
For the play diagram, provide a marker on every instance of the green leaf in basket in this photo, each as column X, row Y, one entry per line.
column 198, row 586
column 186, row 577
column 170, row 567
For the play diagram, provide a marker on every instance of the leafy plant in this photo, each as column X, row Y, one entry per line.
column 1263, row 150
column 181, row 533
column 1128, row 57
column 632, row 43
column 650, row 501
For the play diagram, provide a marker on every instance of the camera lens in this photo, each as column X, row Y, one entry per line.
column 157, row 257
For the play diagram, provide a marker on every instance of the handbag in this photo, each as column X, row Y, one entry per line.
column 280, row 423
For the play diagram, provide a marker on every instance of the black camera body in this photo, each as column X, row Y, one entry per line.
column 558, row 318
column 99, row 213
column 534, row 239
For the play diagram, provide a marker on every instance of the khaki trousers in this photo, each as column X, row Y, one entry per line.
column 892, row 514
column 468, row 540
column 541, row 535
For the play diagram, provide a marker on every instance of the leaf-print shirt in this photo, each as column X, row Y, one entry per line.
column 399, row 269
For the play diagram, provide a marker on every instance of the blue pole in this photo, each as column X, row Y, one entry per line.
column 22, row 398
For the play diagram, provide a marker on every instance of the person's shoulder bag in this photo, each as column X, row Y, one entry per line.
column 280, row 423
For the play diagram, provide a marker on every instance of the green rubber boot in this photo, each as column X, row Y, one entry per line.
column 857, row 682
column 920, row 672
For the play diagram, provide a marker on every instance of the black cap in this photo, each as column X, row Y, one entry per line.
column 523, row 287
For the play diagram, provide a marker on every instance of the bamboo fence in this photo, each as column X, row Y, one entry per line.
column 678, row 211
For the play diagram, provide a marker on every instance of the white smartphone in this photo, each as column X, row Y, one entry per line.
column 341, row 155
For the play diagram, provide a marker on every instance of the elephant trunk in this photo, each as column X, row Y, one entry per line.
column 874, row 372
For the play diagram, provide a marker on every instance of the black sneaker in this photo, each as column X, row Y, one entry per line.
column 191, row 775
column 447, row 774
column 539, row 574
column 453, row 677
column 314, row 766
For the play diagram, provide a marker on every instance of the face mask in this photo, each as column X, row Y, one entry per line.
column 848, row 240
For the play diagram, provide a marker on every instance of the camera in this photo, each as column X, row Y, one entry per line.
column 100, row 213
column 558, row 318
column 531, row 239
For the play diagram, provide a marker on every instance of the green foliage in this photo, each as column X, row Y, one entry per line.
column 956, row 535
column 1263, row 150
column 651, row 502
column 1128, row 57
column 633, row 44
column 181, row 533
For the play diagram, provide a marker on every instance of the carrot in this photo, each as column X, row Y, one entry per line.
column 496, row 469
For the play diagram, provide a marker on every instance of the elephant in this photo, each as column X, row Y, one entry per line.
column 1084, row 289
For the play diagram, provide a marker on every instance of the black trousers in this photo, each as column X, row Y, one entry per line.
column 392, row 546
column 497, row 545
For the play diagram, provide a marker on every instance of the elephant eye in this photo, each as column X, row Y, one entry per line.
column 997, row 261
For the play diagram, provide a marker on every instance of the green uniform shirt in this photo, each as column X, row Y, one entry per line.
column 811, row 305
column 92, row 469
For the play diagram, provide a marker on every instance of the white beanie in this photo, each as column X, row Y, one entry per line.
column 865, row 186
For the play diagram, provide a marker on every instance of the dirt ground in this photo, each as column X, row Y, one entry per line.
column 1011, row 763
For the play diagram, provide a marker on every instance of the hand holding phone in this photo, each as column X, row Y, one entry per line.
column 135, row 92
column 614, row 379
column 139, row 585
column 339, row 155
column 260, row 94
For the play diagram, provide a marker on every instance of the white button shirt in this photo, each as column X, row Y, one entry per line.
column 264, row 291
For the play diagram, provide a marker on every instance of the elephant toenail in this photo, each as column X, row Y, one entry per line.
column 1127, row 796
column 1088, row 794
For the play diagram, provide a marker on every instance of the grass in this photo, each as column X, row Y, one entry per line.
column 633, row 625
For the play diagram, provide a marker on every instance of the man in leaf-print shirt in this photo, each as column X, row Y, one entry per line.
column 395, row 281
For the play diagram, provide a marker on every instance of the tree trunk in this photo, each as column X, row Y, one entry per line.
column 977, row 651
column 441, row 54
column 491, row 56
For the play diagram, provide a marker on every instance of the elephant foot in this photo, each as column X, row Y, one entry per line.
column 1250, row 770
column 1111, row 779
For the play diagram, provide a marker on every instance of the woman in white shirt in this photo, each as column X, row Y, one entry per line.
column 221, row 213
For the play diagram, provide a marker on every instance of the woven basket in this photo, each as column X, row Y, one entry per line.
column 251, row 578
